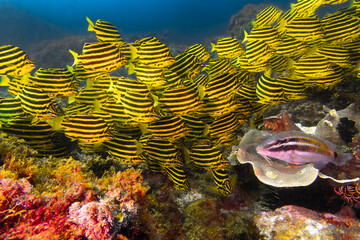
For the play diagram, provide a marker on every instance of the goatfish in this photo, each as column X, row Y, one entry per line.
column 296, row 147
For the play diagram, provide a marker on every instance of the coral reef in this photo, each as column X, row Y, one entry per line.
column 60, row 199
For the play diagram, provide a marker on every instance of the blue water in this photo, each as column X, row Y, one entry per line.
column 185, row 21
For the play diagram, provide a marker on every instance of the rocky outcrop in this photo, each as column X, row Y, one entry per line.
column 242, row 20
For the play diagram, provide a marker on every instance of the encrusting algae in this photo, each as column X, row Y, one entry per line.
column 172, row 111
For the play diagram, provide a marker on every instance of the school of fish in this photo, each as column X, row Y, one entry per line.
column 177, row 110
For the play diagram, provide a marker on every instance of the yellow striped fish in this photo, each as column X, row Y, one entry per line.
column 195, row 125
column 199, row 51
column 228, row 47
column 336, row 55
column 169, row 128
column 216, row 107
column 306, row 7
column 258, row 52
column 154, row 54
column 86, row 128
column 10, row 108
column 180, row 100
column 312, row 66
column 56, row 82
column 162, row 152
column 293, row 88
column 37, row 135
column 101, row 56
column 223, row 125
column 291, row 47
column 91, row 96
column 178, row 176
column 305, row 29
column 186, row 66
column 267, row 34
column 269, row 91
column 105, row 32
column 151, row 76
column 37, row 103
column 267, row 16
column 206, row 156
column 221, row 86
column 14, row 61
column 245, row 64
column 341, row 30
column 83, row 74
column 218, row 66
column 222, row 181
column 139, row 107
column 116, row 110
column 124, row 148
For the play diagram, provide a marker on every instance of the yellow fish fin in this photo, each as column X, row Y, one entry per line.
column 133, row 53
column 213, row 47
column 245, row 36
column 71, row 69
column 131, row 67
column 75, row 55
column 91, row 24
column 55, row 123
column 4, row 80
column 71, row 99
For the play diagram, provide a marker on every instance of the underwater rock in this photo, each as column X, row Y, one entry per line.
column 242, row 20
column 303, row 223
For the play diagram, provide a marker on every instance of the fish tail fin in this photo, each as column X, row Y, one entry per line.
column 213, row 47
column 245, row 36
column 75, row 55
column 342, row 158
column 4, row 80
column 91, row 24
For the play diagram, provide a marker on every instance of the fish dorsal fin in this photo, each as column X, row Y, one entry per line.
column 91, row 24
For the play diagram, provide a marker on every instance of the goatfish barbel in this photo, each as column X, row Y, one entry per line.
column 299, row 148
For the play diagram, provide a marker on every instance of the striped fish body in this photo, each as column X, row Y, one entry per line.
column 151, row 76
column 341, row 30
column 258, row 52
column 180, row 100
column 178, row 176
column 228, row 47
column 83, row 74
column 306, row 7
column 305, row 29
column 199, row 51
column 268, row 90
column 206, row 156
column 186, row 65
column 267, row 16
column 218, row 66
column 101, row 56
column 87, row 129
column 221, row 86
column 312, row 66
column 37, row 103
column 162, row 152
column 298, row 148
column 267, row 34
column 14, row 61
column 37, row 135
column 139, row 107
column 105, row 31
column 10, row 108
column 56, row 82
column 222, row 181
column 123, row 147
column 169, row 128
column 155, row 54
